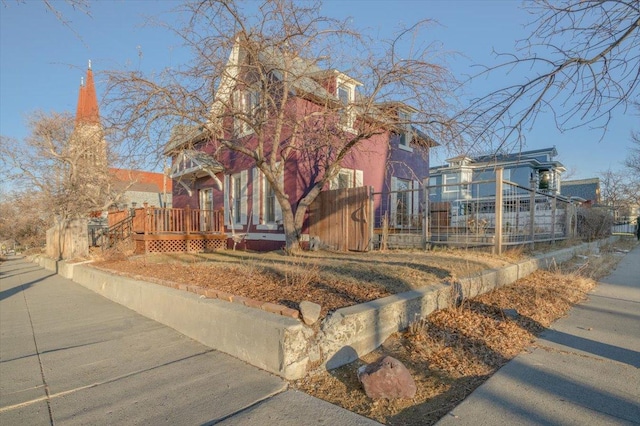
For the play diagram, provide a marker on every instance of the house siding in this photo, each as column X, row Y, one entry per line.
column 375, row 162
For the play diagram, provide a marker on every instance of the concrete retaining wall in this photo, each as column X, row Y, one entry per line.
column 285, row 346
column 272, row 342
column 352, row 332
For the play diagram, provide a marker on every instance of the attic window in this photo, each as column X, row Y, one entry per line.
column 345, row 94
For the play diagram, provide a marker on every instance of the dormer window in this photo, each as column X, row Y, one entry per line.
column 345, row 94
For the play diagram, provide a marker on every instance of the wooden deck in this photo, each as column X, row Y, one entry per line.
column 168, row 230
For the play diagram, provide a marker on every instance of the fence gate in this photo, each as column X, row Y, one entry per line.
column 341, row 219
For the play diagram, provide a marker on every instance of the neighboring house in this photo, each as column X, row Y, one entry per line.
column 225, row 180
column 138, row 187
column 584, row 191
column 447, row 182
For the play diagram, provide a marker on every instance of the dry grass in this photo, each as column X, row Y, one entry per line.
column 333, row 280
column 455, row 350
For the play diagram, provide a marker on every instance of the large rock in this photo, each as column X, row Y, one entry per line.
column 387, row 378
column 310, row 312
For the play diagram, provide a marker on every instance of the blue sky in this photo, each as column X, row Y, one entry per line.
column 42, row 61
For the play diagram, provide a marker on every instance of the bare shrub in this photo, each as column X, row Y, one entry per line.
column 594, row 223
column 301, row 273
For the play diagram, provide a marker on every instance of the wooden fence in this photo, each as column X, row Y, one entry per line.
column 341, row 219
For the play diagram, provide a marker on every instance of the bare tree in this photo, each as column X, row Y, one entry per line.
column 633, row 159
column 23, row 218
column 246, row 75
column 615, row 192
column 582, row 61
column 63, row 173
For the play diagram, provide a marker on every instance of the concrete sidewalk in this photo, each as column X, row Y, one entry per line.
column 70, row 356
column 584, row 370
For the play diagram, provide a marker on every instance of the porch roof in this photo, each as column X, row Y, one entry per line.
column 190, row 165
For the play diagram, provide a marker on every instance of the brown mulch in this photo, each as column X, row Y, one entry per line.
column 288, row 288
column 333, row 280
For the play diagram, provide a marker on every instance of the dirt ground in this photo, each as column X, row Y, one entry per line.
column 449, row 354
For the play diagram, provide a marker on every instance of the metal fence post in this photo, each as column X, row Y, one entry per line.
column 425, row 224
column 532, row 213
column 499, row 211
column 372, row 218
column 553, row 219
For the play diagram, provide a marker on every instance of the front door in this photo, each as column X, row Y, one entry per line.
column 206, row 210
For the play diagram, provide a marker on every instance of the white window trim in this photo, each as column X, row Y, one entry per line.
column 351, row 88
column 203, row 198
column 356, row 178
column 407, row 132
column 229, row 200
column 414, row 208
column 259, row 203
column 240, row 127
column 451, row 189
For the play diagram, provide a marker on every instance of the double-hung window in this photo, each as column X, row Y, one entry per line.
column 237, row 199
column 404, row 123
column 269, row 203
column 246, row 105
column 266, row 210
column 345, row 93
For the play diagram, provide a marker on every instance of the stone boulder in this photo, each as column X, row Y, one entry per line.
column 387, row 378
column 310, row 312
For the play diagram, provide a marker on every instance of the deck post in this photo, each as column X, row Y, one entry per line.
column 187, row 213
column 145, row 209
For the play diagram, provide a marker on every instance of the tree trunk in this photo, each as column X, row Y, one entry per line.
column 292, row 231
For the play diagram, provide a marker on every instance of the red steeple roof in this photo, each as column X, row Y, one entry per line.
column 87, row 111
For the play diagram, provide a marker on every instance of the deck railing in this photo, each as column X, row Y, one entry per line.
column 155, row 220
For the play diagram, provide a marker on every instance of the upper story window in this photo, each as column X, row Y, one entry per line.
column 345, row 92
column 451, row 182
column 246, row 104
column 404, row 122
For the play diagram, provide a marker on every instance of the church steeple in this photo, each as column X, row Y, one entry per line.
column 87, row 111
column 87, row 141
